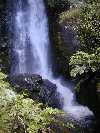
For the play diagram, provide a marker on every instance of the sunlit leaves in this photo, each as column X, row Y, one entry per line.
column 89, row 35
column 81, row 62
column 89, row 27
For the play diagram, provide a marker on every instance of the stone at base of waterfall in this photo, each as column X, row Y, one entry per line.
column 26, row 81
column 42, row 90
column 50, row 95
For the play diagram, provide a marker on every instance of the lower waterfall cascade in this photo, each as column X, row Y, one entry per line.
column 30, row 50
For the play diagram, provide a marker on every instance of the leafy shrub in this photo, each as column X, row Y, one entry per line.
column 71, row 15
column 24, row 115
column 81, row 62
column 76, row 3
column 89, row 35
column 20, row 114
column 89, row 26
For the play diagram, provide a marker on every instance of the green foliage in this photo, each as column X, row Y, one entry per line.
column 76, row 3
column 81, row 62
column 89, row 35
column 89, row 26
column 20, row 114
column 4, row 85
column 70, row 15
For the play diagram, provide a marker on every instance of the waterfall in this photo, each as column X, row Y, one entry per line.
column 30, row 50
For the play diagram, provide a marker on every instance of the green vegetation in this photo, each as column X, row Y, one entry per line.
column 81, row 62
column 24, row 115
column 88, row 58
column 20, row 114
column 71, row 16
column 89, row 27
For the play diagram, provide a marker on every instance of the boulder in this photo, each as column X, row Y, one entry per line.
column 26, row 81
column 50, row 96
column 39, row 89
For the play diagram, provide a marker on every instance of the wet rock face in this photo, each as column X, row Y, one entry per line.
column 50, row 95
column 42, row 90
column 57, row 6
column 29, row 82
column 88, row 95
column 69, row 39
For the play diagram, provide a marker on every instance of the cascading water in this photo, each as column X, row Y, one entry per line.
column 31, row 41
column 30, row 50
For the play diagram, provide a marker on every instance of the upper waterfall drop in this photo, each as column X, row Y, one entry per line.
column 31, row 43
column 38, row 33
column 30, row 51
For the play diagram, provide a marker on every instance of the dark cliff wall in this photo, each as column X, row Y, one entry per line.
column 4, row 63
column 63, row 40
